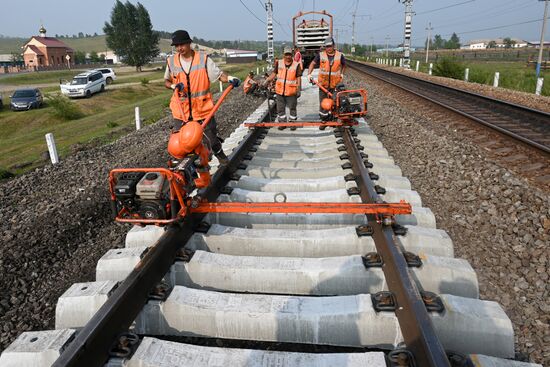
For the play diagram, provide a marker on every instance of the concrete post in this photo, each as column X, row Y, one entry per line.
column 466, row 74
column 50, row 141
column 257, row 70
column 496, row 79
column 400, row 63
column 540, row 82
column 417, row 65
column 431, row 67
column 221, row 86
column 138, row 119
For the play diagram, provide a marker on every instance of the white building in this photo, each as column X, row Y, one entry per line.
column 482, row 44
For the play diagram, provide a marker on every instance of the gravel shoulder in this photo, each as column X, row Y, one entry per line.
column 55, row 221
column 530, row 100
column 497, row 220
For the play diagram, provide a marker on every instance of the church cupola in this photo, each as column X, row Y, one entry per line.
column 42, row 31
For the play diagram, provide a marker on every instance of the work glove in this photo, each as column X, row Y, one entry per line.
column 180, row 87
column 311, row 80
column 234, row 81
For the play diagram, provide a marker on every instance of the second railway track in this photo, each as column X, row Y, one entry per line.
column 287, row 285
column 527, row 125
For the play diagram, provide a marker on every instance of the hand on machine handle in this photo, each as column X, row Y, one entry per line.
column 311, row 80
column 179, row 87
column 234, row 81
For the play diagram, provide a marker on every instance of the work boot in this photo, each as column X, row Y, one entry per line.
column 222, row 158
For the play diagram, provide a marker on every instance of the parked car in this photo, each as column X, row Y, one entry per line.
column 108, row 74
column 1, row 103
column 25, row 99
column 84, row 84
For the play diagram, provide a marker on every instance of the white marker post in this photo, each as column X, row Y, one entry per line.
column 417, row 65
column 400, row 63
column 540, row 82
column 466, row 74
column 496, row 79
column 221, row 86
column 431, row 67
column 138, row 119
column 257, row 70
column 51, row 148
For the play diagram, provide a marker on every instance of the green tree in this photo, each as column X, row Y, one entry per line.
column 94, row 56
column 508, row 42
column 79, row 57
column 80, row 35
column 130, row 34
column 453, row 42
column 438, row 42
column 492, row 44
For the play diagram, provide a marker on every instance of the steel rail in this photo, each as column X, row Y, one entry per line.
column 415, row 323
column 93, row 342
column 529, row 113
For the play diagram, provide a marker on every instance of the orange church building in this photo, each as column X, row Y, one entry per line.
column 42, row 51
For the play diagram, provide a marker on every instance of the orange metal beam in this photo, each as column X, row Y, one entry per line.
column 300, row 124
column 305, row 208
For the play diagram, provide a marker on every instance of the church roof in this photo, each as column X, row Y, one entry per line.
column 51, row 42
column 35, row 50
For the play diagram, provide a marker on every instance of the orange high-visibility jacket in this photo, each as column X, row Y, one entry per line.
column 287, row 81
column 330, row 74
column 195, row 103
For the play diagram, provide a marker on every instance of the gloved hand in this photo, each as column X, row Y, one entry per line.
column 311, row 80
column 179, row 87
column 235, row 81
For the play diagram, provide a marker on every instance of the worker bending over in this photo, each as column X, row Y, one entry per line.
column 331, row 71
column 191, row 72
column 287, row 88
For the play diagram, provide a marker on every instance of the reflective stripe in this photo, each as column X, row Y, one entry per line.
column 291, row 81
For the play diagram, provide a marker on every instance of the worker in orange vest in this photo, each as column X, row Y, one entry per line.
column 287, row 88
column 331, row 71
column 191, row 72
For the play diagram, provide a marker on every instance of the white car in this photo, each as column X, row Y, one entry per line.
column 108, row 73
column 84, row 84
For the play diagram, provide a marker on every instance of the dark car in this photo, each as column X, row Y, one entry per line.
column 25, row 99
column 1, row 103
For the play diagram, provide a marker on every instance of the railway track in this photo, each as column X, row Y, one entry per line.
column 524, row 124
column 256, row 289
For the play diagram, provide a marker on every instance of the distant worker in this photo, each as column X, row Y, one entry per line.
column 249, row 84
column 298, row 56
column 331, row 71
column 289, row 74
column 190, row 73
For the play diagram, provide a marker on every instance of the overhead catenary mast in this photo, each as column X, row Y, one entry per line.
column 408, row 30
column 270, row 50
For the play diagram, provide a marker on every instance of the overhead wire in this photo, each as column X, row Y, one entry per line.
column 251, row 12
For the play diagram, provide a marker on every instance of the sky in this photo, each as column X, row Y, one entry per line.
column 245, row 19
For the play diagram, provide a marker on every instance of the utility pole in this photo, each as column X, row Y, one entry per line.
column 270, row 51
column 371, row 42
column 408, row 28
column 387, row 45
column 541, row 45
column 429, row 29
column 354, row 14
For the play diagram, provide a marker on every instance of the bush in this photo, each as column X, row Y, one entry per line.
column 144, row 81
column 481, row 76
column 5, row 174
column 111, row 124
column 64, row 108
column 449, row 68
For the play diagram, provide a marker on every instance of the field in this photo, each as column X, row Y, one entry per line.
column 89, row 44
column 107, row 116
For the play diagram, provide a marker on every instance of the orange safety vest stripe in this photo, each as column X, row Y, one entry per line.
column 330, row 74
column 287, row 81
column 195, row 102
